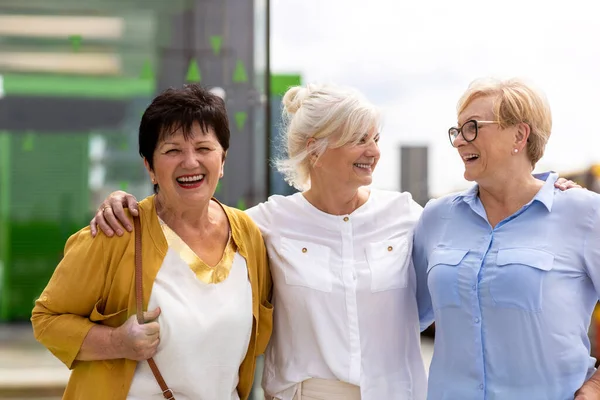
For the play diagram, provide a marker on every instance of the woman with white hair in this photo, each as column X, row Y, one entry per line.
column 346, row 324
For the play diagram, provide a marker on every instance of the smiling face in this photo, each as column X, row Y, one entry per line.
column 490, row 152
column 350, row 164
column 187, row 171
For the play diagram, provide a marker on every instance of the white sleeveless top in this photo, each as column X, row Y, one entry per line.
column 205, row 326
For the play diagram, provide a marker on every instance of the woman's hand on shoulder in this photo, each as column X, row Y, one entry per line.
column 111, row 218
column 565, row 184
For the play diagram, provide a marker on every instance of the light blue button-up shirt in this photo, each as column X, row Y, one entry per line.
column 512, row 304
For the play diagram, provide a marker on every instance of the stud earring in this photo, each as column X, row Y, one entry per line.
column 516, row 150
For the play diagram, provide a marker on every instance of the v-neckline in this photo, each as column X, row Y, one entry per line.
column 203, row 271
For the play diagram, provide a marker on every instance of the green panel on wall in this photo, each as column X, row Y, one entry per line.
column 47, row 200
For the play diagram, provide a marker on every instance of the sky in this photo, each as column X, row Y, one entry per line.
column 415, row 59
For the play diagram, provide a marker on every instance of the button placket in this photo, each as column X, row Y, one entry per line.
column 350, row 283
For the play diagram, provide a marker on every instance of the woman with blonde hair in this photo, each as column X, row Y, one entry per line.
column 511, row 267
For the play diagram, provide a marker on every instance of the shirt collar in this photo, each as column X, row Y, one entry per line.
column 546, row 193
column 469, row 196
column 544, row 196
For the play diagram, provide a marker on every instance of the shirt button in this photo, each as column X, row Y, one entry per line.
column 346, row 219
column 476, row 320
column 304, row 249
column 390, row 248
column 474, row 287
column 481, row 386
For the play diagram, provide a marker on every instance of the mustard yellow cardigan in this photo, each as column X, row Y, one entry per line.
column 94, row 284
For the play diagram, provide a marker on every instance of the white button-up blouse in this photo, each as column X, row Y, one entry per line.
column 344, row 296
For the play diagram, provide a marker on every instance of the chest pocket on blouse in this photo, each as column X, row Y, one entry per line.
column 442, row 276
column 518, row 278
column 388, row 262
column 306, row 264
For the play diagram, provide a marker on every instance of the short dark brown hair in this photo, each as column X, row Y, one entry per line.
column 176, row 109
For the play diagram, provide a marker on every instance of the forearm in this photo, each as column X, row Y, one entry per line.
column 591, row 388
column 101, row 343
column 62, row 334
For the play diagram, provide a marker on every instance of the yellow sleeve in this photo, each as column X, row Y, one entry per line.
column 60, row 317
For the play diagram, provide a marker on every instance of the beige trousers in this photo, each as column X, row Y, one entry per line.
column 322, row 389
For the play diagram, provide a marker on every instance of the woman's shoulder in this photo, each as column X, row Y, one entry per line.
column 82, row 245
column 579, row 201
column 391, row 197
column 246, row 234
column 439, row 207
column 391, row 202
column 146, row 213
column 276, row 208
column 274, row 203
column 240, row 221
column 577, row 195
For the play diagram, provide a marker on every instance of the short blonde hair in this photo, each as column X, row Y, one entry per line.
column 516, row 102
column 324, row 112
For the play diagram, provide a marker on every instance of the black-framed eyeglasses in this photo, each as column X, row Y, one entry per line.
column 469, row 130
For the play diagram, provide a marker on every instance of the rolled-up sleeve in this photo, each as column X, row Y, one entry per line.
column 60, row 317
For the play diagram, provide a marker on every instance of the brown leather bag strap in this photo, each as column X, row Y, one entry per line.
column 139, row 301
column 139, row 285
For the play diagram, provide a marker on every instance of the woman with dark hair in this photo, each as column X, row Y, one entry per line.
column 206, row 278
